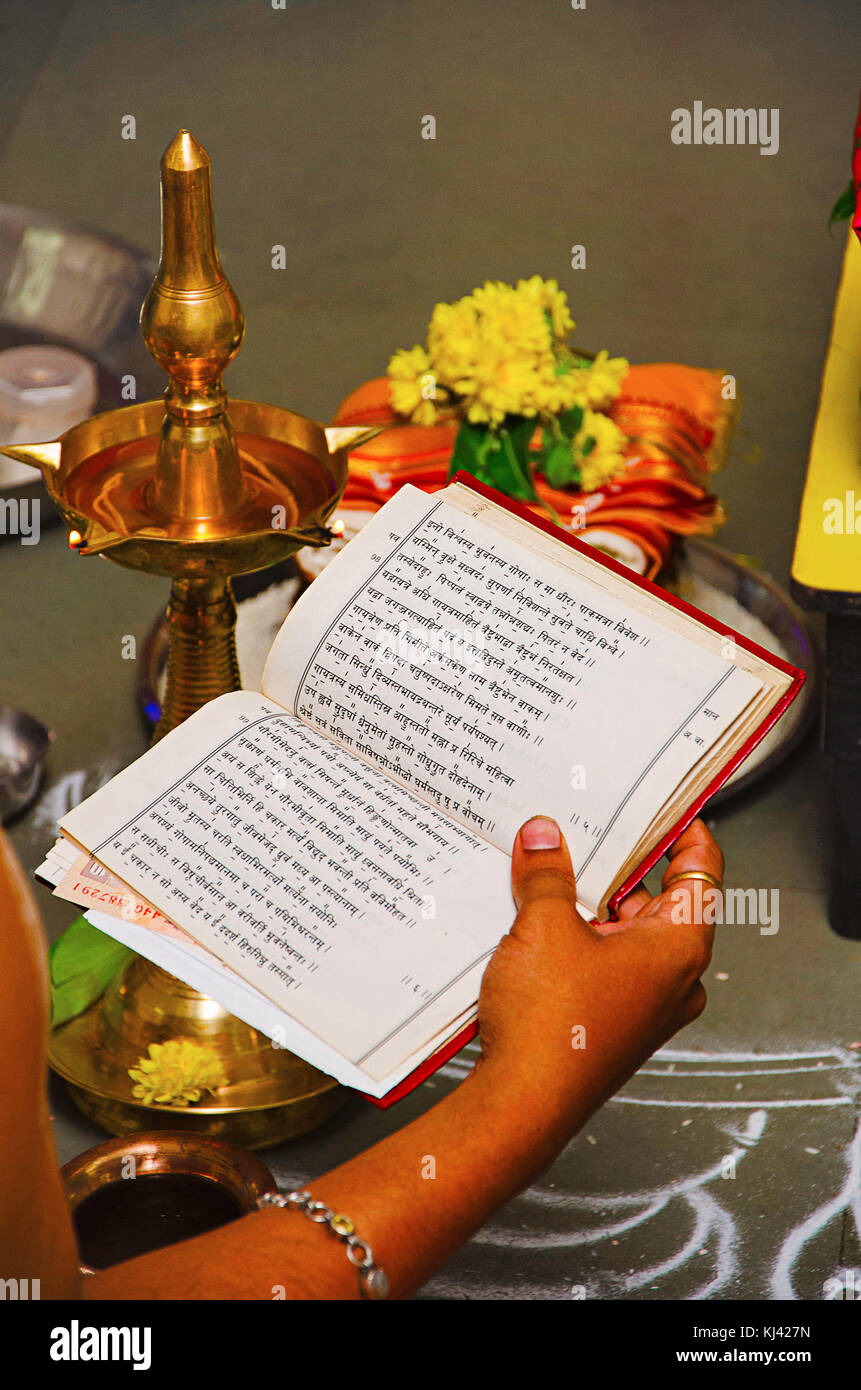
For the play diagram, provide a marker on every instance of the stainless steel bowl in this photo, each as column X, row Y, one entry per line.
column 785, row 633
column 72, row 286
column 23, row 745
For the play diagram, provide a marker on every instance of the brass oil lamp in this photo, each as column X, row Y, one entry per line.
column 196, row 488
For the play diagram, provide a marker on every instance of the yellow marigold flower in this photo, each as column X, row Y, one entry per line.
column 412, row 385
column 176, row 1073
column 500, row 351
column 452, row 339
column 424, row 413
column 509, row 317
column 602, row 380
column 408, row 363
column 500, row 385
column 549, row 296
column 555, row 392
column 606, row 459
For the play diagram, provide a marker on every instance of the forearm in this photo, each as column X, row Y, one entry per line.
column 420, row 1194
column 416, row 1197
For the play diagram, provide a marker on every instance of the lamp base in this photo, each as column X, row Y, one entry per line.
column 271, row 1095
column 202, row 664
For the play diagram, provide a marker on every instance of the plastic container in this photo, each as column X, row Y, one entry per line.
column 44, row 390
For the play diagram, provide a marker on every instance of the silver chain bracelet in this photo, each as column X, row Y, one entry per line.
column 372, row 1279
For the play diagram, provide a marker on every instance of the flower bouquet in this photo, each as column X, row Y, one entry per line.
column 498, row 361
column 622, row 454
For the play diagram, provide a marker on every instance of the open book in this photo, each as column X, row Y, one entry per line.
column 339, row 846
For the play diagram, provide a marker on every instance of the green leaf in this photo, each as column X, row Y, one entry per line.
column 538, row 455
column 588, row 445
column 473, row 450
column 559, row 467
column 82, row 964
column 844, row 207
column 497, row 458
column 520, row 429
column 515, row 449
column 571, row 420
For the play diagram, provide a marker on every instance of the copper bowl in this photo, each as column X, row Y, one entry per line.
column 238, row 1178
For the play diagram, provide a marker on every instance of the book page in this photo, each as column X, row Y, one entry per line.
column 360, row 911
column 497, row 684
column 182, row 957
column 116, row 910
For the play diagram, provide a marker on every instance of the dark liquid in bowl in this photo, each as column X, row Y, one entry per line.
column 134, row 1215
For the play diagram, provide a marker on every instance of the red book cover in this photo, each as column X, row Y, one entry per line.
column 797, row 678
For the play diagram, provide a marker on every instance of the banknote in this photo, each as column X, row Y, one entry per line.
column 89, row 884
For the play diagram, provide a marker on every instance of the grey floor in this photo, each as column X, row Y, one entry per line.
column 552, row 129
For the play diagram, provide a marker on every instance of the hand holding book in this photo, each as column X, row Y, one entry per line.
column 578, row 1006
column 531, row 1091
column 340, row 842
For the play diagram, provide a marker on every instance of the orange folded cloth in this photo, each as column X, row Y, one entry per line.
column 678, row 424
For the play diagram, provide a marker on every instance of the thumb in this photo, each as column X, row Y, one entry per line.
column 541, row 865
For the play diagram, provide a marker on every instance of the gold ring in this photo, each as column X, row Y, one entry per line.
column 695, row 873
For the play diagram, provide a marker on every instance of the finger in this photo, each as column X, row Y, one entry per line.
column 691, row 907
column 634, row 903
column 541, row 865
column 608, row 928
column 697, row 832
column 696, row 848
